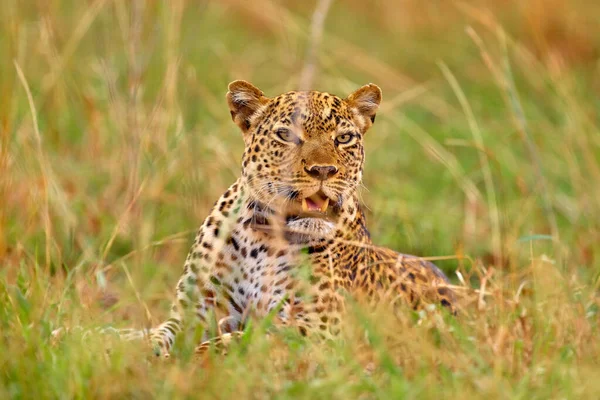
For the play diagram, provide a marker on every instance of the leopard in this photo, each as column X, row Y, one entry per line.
column 289, row 238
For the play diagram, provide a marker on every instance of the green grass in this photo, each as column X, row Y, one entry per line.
column 485, row 155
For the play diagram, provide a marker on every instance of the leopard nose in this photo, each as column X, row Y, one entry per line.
column 321, row 172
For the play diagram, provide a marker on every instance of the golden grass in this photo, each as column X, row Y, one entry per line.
column 115, row 141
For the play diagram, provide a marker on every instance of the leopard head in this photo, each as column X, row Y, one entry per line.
column 304, row 150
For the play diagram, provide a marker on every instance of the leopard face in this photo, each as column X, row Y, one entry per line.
column 304, row 150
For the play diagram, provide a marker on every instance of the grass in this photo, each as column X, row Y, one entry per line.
column 115, row 140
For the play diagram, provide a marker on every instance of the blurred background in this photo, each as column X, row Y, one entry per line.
column 115, row 134
column 115, row 139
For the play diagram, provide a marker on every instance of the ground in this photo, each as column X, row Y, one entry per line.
column 115, row 140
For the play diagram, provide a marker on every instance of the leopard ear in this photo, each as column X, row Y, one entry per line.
column 244, row 100
column 365, row 102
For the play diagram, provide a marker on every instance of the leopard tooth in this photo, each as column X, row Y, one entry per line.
column 325, row 205
column 304, row 205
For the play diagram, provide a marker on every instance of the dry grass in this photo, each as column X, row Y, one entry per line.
column 115, row 140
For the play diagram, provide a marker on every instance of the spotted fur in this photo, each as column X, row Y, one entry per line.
column 251, row 258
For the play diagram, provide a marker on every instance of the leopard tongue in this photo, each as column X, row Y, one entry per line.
column 315, row 203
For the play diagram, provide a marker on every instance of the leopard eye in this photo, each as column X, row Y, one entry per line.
column 344, row 138
column 286, row 135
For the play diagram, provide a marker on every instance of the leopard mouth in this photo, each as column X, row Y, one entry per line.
column 307, row 220
column 317, row 202
column 318, row 205
column 311, row 219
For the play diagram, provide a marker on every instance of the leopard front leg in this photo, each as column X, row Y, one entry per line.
column 189, row 310
column 198, row 290
column 194, row 298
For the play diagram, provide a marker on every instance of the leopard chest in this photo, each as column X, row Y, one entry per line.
column 255, row 273
column 260, row 274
